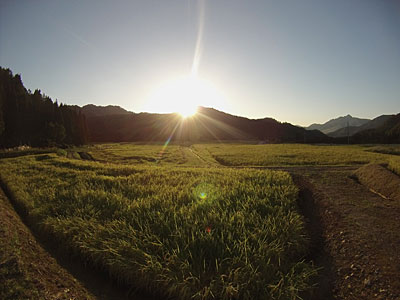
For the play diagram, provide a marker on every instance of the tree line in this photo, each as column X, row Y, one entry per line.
column 33, row 119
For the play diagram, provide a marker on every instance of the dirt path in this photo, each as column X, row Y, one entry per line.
column 356, row 235
column 205, row 160
column 196, row 155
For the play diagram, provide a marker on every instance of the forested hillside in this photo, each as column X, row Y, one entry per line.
column 207, row 125
column 387, row 133
column 33, row 119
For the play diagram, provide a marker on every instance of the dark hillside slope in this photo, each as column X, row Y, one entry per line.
column 375, row 123
column 388, row 133
column 132, row 127
column 207, row 125
column 338, row 123
column 344, row 132
column 91, row 110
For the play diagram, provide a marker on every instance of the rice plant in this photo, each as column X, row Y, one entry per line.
column 292, row 154
column 190, row 233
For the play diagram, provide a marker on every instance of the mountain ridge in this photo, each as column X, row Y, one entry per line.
column 338, row 123
column 208, row 124
column 387, row 133
column 28, row 118
column 352, row 130
column 91, row 110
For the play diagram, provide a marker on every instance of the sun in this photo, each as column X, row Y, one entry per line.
column 183, row 96
column 187, row 112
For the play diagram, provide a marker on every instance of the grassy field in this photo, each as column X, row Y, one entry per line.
column 177, row 220
column 296, row 154
column 189, row 232
column 152, row 154
column 274, row 155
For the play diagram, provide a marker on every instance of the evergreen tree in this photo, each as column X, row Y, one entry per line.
column 34, row 119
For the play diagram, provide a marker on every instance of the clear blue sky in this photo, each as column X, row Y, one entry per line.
column 296, row 61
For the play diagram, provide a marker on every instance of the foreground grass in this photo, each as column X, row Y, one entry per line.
column 192, row 233
column 296, row 154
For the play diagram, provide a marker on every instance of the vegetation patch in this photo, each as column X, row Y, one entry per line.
column 394, row 165
column 389, row 149
column 21, row 151
column 131, row 153
column 190, row 233
column 379, row 180
column 290, row 155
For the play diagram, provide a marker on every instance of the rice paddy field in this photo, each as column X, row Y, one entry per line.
column 252, row 155
column 296, row 154
column 190, row 233
column 181, row 221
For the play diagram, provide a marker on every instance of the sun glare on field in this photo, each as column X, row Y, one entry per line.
column 184, row 96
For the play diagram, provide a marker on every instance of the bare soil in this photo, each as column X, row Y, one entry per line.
column 379, row 180
column 355, row 235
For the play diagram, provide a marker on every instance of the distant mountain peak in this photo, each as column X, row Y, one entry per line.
column 338, row 123
column 351, row 130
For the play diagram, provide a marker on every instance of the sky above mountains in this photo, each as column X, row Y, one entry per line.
column 297, row 61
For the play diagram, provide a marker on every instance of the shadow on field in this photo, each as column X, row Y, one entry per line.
column 96, row 281
column 322, row 260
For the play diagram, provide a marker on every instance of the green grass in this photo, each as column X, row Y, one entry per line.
column 291, row 154
column 192, row 233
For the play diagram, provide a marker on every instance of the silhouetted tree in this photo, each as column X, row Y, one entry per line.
column 2, row 125
column 34, row 119
column 55, row 132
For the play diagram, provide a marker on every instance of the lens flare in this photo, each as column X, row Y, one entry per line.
column 161, row 153
column 204, row 193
